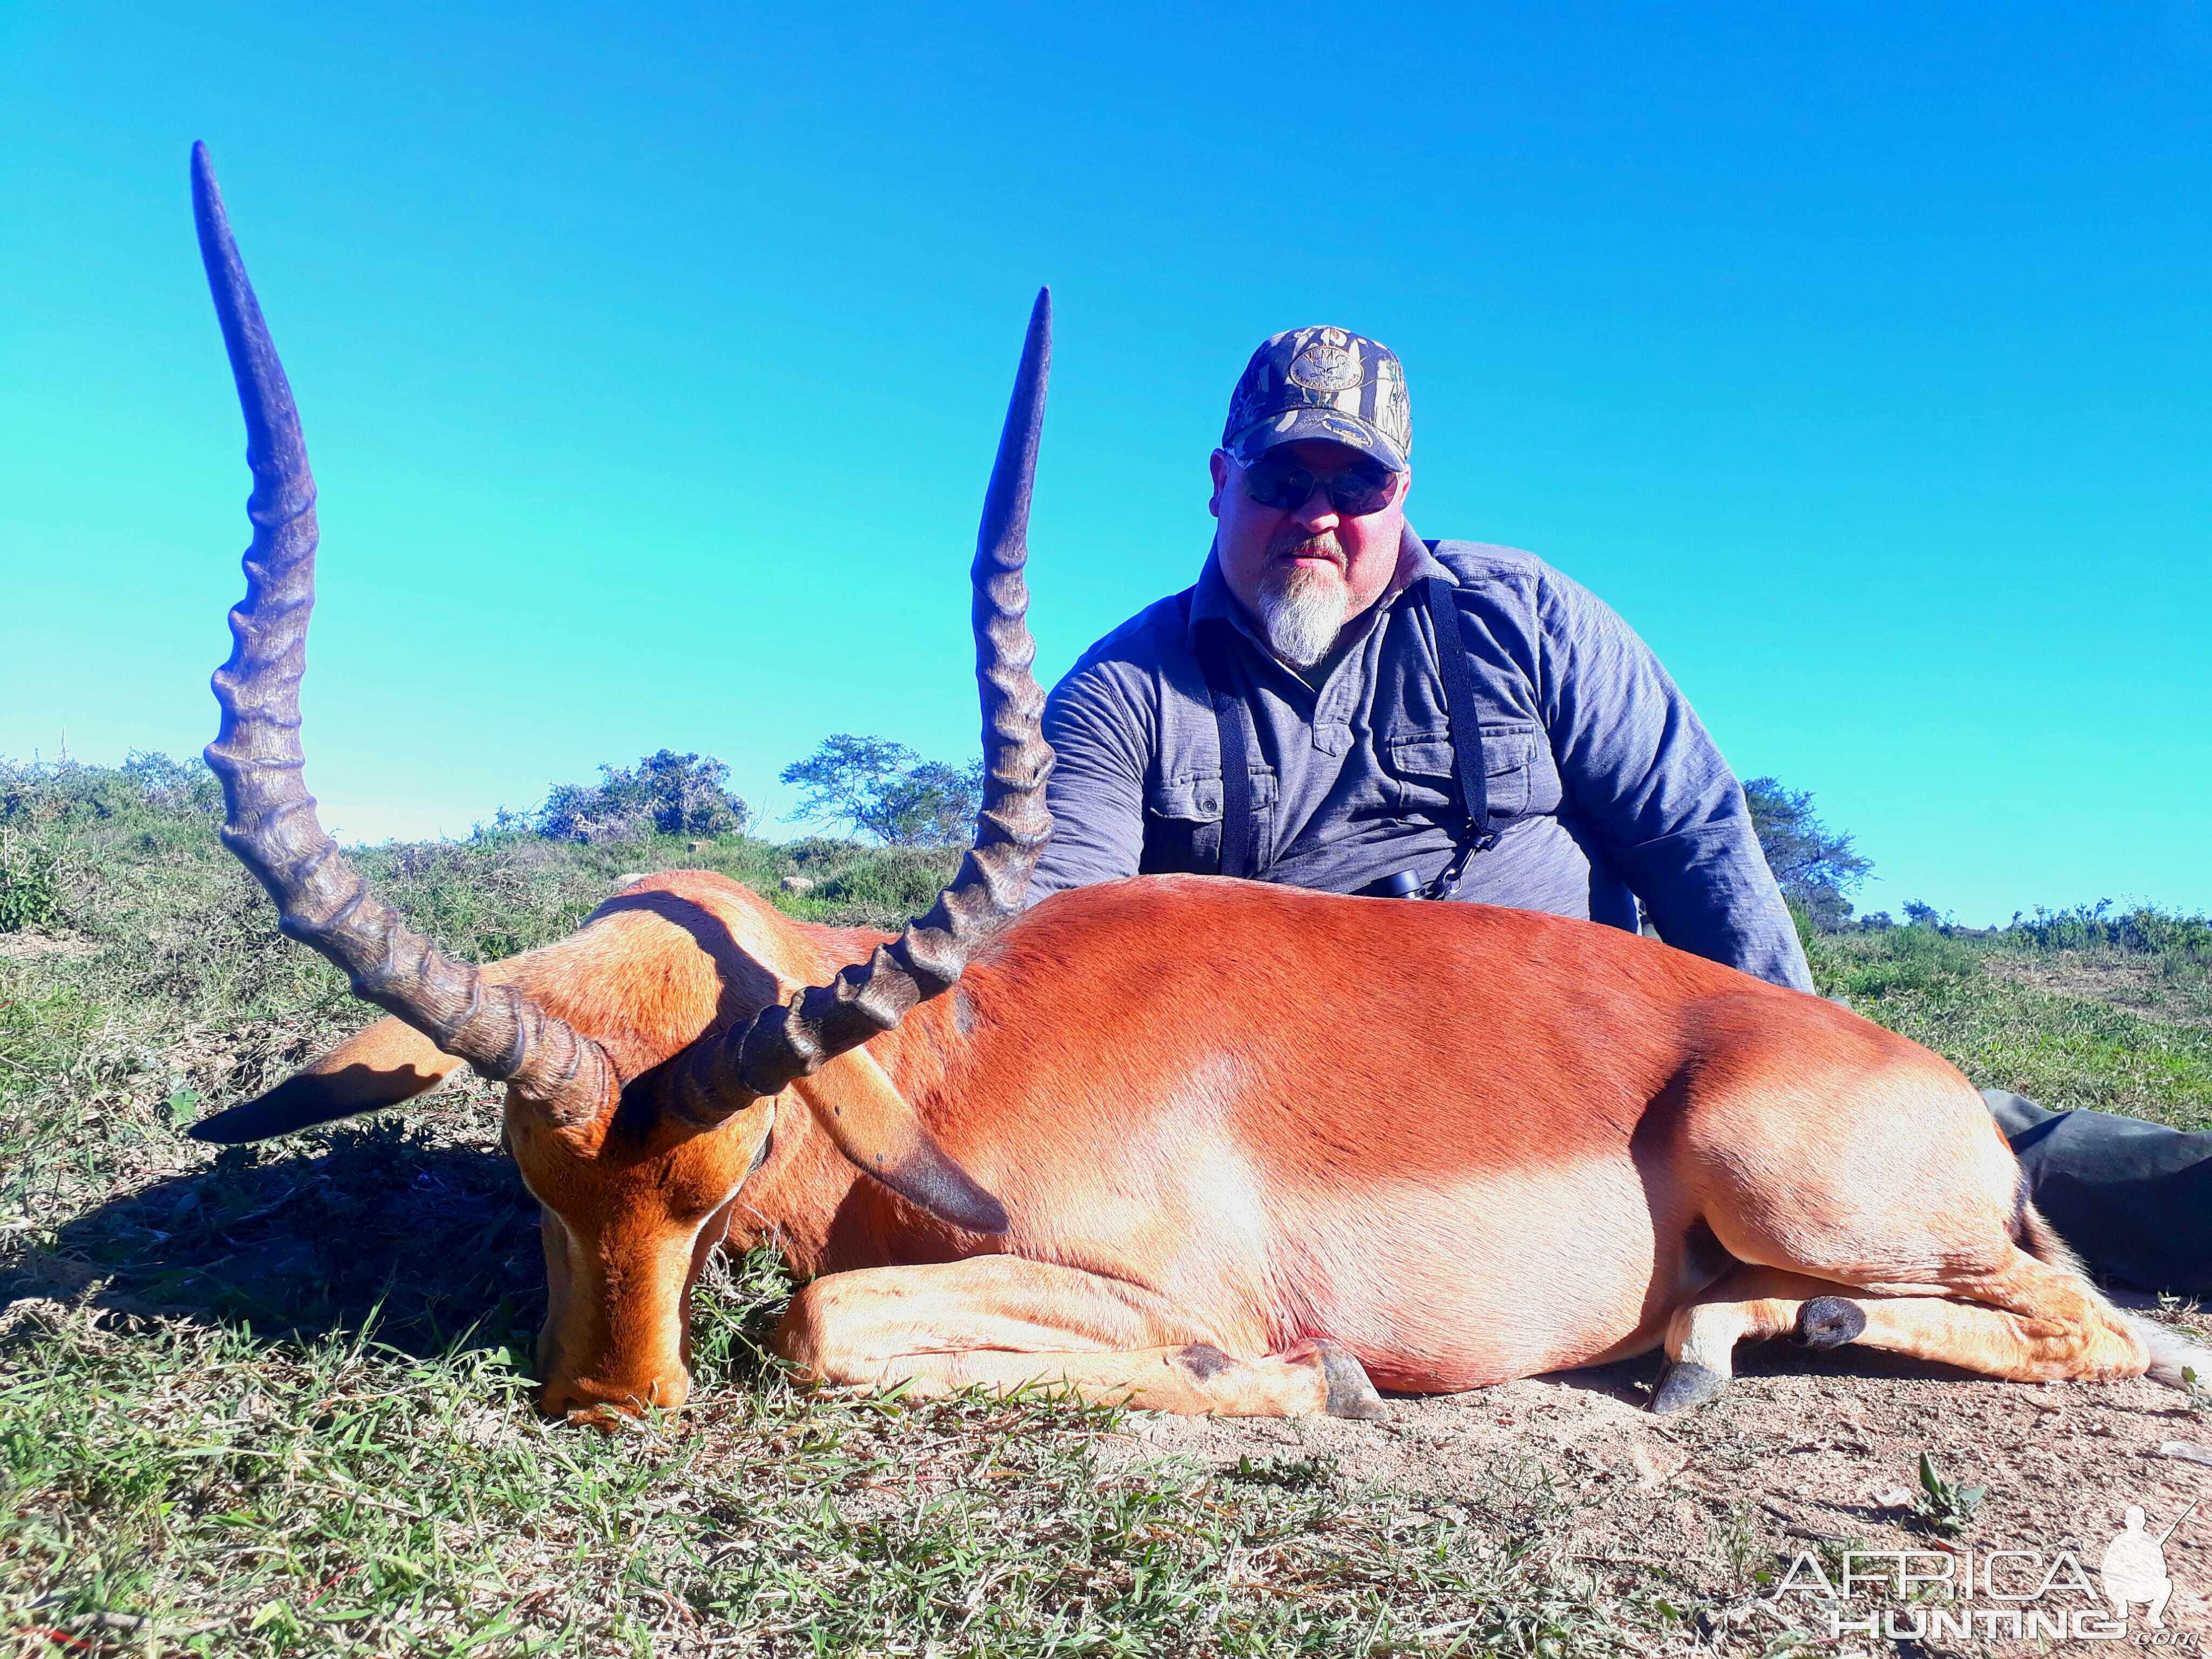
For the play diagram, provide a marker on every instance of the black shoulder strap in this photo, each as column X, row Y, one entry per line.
column 1237, row 823
column 1461, row 710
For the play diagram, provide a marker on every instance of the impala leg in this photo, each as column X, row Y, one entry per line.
column 1747, row 1305
column 1914, row 1220
column 1005, row 1323
column 2027, row 1319
column 2046, row 1326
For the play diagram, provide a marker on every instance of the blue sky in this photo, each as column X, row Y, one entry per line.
column 652, row 359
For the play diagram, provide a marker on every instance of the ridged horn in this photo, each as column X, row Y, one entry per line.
column 270, row 823
column 785, row 1042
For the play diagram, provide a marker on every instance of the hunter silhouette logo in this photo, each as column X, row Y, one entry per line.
column 2134, row 1567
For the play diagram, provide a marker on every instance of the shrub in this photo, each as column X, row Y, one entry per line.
column 185, row 787
column 60, row 819
column 666, row 793
column 2143, row 931
column 146, row 786
column 891, row 886
column 30, row 884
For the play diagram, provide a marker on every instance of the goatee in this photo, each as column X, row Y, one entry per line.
column 1303, row 608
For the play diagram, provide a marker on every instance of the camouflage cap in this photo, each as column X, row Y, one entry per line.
column 1322, row 383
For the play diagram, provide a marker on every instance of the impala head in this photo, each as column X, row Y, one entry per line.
column 634, row 1139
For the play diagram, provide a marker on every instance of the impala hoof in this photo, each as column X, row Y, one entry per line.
column 1350, row 1393
column 1829, row 1321
column 1684, row 1386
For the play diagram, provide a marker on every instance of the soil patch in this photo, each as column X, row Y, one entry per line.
column 1805, row 1453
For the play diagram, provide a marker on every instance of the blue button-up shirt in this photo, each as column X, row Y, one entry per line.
column 1618, row 792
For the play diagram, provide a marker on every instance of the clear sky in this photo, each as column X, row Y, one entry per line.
column 651, row 361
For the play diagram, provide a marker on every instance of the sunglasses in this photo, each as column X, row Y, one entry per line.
column 1361, row 489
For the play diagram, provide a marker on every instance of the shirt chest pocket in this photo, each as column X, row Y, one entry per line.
column 1182, row 824
column 1421, row 775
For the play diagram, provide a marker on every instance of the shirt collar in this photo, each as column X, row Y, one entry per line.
column 1211, row 601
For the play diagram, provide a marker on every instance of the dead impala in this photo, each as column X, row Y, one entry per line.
column 1250, row 1146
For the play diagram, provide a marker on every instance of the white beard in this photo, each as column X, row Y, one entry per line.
column 1303, row 613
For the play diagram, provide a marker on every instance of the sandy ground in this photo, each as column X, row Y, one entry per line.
column 1802, row 1450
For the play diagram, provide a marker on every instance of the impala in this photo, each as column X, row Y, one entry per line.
column 1192, row 1144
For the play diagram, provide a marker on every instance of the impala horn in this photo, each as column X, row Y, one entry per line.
column 789, row 1040
column 270, row 822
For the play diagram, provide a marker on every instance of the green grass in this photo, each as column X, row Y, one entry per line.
column 1953, row 992
column 199, row 1488
column 269, row 1402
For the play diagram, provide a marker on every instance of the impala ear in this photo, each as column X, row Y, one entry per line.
column 857, row 1103
column 387, row 1063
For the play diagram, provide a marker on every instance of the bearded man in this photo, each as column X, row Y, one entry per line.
column 1338, row 704
column 1318, row 646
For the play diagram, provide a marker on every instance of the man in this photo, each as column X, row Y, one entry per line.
column 1312, row 618
column 1455, row 721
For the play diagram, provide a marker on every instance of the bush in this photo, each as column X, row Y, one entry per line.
column 60, row 819
column 146, row 786
column 890, row 885
column 2143, row 931
column 30, row 884
column 666, row 793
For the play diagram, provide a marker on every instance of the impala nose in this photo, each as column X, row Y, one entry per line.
column 590, row 1399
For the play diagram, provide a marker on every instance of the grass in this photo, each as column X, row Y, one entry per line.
column 271, row 1401
column 1982, row 1000
column 196, row 1487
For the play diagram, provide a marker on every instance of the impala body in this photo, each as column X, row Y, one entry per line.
column 1196, row 1144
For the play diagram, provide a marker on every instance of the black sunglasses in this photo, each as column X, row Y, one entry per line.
column 1277, row 481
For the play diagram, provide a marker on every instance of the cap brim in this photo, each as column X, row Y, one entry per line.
column 1294, row 426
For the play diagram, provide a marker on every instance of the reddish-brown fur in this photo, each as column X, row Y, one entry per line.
column 1465, row 1143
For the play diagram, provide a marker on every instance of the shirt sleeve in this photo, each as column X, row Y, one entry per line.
column 1100, row 741
column 1643, row 776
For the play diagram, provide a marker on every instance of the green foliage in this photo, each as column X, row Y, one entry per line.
column 883, row 789
column 2142, row 931
column 902, row 882
column 2194, row 1388
column 145, row 788
column 665, row 794
column 1942, row 1507
column 30, row 883
column 58, row 818
column 1816, row 866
